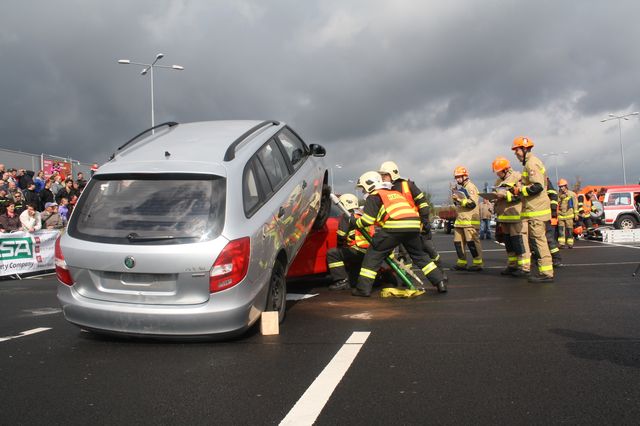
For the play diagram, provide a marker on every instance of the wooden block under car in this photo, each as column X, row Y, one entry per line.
column 269, row 324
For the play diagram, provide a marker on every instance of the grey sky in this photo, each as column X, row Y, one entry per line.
column 430, row 85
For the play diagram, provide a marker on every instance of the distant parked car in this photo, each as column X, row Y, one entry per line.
column 189, row 231
column 621, row 204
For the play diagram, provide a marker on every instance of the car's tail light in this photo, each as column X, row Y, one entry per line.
column 231, row 265
column 62, row 272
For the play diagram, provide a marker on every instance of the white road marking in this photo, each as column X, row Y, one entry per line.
column 363, row 315
column 574, row 248
column 295, row 296
column 576, row 264
column 311, row 403
column 25, row 333
column 616, row 244
column 43, row 311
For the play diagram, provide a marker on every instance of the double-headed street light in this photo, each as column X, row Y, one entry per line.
column 555, row 163
column 148, row 68
column 620, row 118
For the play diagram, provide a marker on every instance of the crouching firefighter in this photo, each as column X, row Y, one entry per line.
column 467, row 223
column 508, row 208
column 390, row 173
column 399, row 224
column 347, row 256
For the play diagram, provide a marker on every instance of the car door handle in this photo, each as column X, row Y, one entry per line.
column 280, row 212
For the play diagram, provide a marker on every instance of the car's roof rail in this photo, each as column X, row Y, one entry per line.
column 231, row 151
column 168, row 123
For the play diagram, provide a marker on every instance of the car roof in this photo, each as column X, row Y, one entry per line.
column 617, row 188
column 183, row 144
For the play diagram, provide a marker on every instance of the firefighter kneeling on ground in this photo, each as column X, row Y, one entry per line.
column 467, row 224
column 508, row 207
column 399, row 224
column 567, row 214
column 390, row 173
column 351, row 247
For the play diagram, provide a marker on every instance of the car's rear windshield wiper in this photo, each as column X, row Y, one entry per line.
column 135, row 237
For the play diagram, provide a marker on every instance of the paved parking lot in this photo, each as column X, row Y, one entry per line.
column 494, row 350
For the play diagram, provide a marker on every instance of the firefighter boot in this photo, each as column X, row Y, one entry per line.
column 340, row 285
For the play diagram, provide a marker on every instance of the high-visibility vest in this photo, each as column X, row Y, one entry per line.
column 358, row 240
column 408, row 195
column 396, row 212
column 586, row 207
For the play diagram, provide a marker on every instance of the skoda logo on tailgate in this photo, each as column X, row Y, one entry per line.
column 129, row 262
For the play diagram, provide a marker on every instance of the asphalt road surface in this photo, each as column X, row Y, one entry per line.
column 494, row 350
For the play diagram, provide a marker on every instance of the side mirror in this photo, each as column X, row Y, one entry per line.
column 317, row 150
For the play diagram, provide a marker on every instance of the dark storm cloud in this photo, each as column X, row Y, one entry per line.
column 428, row 84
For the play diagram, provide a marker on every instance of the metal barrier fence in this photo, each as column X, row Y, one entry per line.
column 25, row 160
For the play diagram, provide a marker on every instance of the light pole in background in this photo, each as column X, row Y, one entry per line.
column 148, row 68
column 555, row 162
column 620, row 118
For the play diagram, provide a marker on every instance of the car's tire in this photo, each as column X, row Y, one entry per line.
column 325, row 208
column 626, row 222
column 277, row 296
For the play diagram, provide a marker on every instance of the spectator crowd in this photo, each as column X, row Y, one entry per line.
column 30, row 201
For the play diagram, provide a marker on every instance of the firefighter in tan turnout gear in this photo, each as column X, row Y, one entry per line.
column 537, row 208
column 467, row 224
column 508, row 207
column 399, row 224
column 567, row 214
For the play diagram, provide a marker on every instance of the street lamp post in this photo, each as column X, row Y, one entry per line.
column 337, row 166
column 555, row 154
column 620, row 118
column 148, row 68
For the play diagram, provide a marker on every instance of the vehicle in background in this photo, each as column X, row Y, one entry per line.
column 621, row 206
column 189, row 231
column 448, row 215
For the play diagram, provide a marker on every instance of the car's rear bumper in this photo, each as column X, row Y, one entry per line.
column 206, row 319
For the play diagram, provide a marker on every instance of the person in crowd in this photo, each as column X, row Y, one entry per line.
column 13, row 177
column 486, row 212
column 68, row 191
column 39, row 180
column 19, row 202
column 46, row 196
column 4, row 200
column 25, row 178
column 56, row 185
column 31, row 196
column 63, row 209
column 51, row 219
column 30, row 219
column 81, row 181
column 2, row 169
column 12, row 188
column 9, row 220
column 5, row 180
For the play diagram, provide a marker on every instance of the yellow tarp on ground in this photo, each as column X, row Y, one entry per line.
column 403, row 293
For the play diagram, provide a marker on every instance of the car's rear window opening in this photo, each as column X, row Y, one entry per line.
column 150, row 209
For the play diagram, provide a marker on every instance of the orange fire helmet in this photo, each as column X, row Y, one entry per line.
column 460, row 171
column 500, row 164
column 563, row 182
column 522, row 142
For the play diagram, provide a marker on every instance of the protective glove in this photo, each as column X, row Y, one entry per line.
column 352, row 221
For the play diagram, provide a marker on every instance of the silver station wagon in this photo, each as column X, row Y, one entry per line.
column 190, row 228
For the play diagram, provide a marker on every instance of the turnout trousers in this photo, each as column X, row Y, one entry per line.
column 339, row 258
column 518, row 256
column 383, row 244
column 536, row 238
column 565, row 232
column 467, row 237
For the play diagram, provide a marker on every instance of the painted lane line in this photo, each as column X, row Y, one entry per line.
column 576, row 264
column 615, row 244
column 25, row 333
column 311, row 403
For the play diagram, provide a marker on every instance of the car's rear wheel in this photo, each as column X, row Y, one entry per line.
column 626, row 222
column 325, row 208
column 277, row 297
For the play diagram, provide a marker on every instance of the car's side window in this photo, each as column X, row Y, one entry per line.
column 271, row 158
column 250, row 189
column 294, row 148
